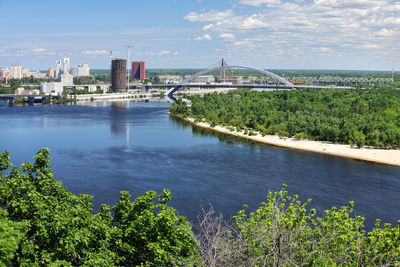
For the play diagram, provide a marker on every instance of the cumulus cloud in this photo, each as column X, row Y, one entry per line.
column 39, row 50
column 204, row 37
column 208, row 26
column 227, row 36
column 212, row 15
column 166, row 53
column 260, row 2
column 95, row 52
column 304, row 26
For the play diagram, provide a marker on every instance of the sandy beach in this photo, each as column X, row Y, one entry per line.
column 383, row 156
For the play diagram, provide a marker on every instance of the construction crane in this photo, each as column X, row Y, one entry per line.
column 129, row 46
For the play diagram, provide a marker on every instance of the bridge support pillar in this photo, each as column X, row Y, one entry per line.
column 11, row 101
column 31, row 101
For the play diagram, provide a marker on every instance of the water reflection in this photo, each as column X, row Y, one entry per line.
column 199, row 131
column 119, row 125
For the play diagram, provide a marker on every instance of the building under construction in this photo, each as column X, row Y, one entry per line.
column 118, row 74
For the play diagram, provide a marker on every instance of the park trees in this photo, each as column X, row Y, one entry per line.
column 357, row 117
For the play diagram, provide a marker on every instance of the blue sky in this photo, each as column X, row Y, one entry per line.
column 270, row 34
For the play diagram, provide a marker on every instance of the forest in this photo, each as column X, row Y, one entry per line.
column 356, row 117
column 42, row 224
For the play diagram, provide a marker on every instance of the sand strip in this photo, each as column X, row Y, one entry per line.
column 383, row 156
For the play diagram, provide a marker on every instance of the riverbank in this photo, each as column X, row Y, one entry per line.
column 382, row 156
column 113, row 96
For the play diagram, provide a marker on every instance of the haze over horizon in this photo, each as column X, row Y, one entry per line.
column 268, row 34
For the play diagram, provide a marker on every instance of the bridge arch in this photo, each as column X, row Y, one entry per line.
column 170, row 92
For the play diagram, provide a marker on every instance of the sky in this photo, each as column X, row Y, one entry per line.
column 166, row 34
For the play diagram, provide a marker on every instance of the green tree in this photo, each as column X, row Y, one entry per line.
column 45, row 224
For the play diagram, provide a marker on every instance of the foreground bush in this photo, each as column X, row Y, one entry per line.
column 43, row 224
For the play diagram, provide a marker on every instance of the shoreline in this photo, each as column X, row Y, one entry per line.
column 381, row 156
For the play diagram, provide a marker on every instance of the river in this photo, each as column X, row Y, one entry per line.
column 102, row 148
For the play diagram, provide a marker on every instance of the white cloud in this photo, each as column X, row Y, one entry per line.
column 208, row 26
column 385, row 32
column 322, row 49
column 371, row 46
column 227, row 36
column 95, row 52
column 165, row 52
column 212, row 15
column 253, row 22
column 39, row 50
column 342, row 27
column 204, row 37
column 260, row 2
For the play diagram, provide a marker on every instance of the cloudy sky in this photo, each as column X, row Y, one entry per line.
column 269, row 34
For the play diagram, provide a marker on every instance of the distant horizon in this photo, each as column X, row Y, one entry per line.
column 198, row 69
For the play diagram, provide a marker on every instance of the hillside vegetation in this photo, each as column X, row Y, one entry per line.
column 42, row 224
column 356, row 117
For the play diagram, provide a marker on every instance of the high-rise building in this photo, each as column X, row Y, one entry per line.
column 74, row 72
column 16, row 71
column 66, row 65
column 83, row 70
column 138, row 70
column 50, row 73
column 58, row 69
column 118, row 74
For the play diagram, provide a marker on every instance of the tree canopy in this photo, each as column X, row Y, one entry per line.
column 356, row 117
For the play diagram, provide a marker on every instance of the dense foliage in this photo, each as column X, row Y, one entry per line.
column 43, row 224
column 359, row 117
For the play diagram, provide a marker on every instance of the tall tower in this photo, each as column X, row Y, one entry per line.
column 118, row 74
column 58, row 69
column 50, row 73
column 66, row 65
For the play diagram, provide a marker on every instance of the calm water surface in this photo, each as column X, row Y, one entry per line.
column 102, row 148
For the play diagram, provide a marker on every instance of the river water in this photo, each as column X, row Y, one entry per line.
column 102, row 148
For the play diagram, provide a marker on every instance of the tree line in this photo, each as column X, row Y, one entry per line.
column 356, row 117
column 41, row 223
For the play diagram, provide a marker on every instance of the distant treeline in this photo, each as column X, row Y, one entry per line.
column 289, row 73
column 42, row 224
column 356, row 117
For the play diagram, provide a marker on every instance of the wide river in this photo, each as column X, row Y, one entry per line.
column 102, row 148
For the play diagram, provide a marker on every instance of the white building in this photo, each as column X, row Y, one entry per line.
column 67, row 79
column 204, row 79
column 66, row 65
column 168, row 79
column 16, row 71
column 54, row 87
column 74, row 72
column 58, row 69
column 23, row 91
column 82, row 70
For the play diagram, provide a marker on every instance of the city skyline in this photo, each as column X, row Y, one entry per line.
column 269, row 34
